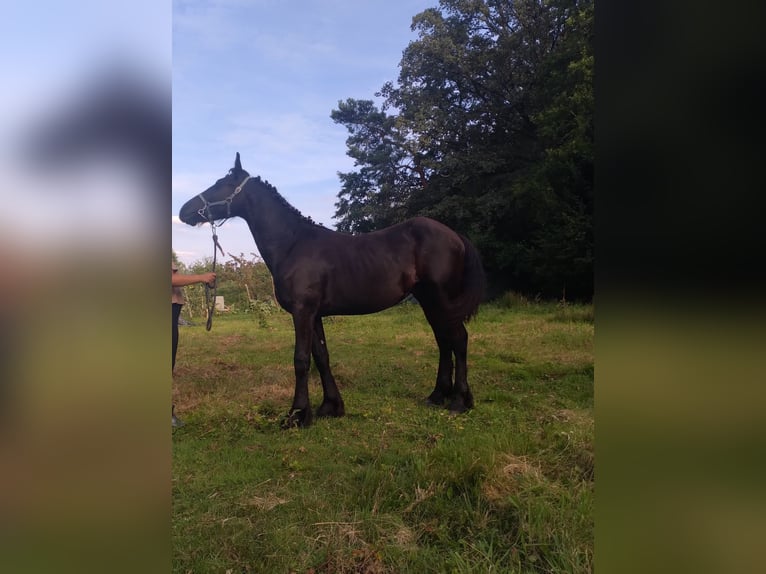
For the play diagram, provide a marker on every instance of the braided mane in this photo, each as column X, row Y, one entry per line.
column 283, row 202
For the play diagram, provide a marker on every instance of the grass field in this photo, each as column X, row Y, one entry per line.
column 394, row 486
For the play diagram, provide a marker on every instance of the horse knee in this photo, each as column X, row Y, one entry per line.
column 301, row 362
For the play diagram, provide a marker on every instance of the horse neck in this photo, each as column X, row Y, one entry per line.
column 274, row 224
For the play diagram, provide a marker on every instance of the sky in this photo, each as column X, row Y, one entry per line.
column 261, row 77
column 52, row 54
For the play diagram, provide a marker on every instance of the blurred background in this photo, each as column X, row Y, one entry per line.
column 85, row 381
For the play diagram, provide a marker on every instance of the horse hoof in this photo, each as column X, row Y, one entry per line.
column 288, row 422
column 435, row 400
column 458, row 406
column 329, row 409
column 297, row 418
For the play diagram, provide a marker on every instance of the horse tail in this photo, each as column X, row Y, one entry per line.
column 474, row 284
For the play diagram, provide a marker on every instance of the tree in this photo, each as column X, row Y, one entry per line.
column 244, row 283
column 493, row 136
column 377, row 194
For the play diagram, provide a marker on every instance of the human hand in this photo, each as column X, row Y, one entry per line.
column 209, row 278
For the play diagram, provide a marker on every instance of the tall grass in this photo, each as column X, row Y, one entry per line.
column 394, row 486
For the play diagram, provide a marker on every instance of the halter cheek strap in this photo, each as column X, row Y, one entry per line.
column 204, row 211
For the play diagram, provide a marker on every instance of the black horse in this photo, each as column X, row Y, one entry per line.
column 319, row 272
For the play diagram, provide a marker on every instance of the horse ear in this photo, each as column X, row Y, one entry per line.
column 237, row 164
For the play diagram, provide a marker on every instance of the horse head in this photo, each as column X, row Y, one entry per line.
column 219, row 201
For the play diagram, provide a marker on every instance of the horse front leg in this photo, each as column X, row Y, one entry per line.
column 300, row 414
column 332, row 403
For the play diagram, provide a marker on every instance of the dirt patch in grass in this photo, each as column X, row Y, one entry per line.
column 361, row 561
column 274, row 374
column 511, row 474
column 266, row 502
column 579, row 419
column 279, row 392
column 230, row 340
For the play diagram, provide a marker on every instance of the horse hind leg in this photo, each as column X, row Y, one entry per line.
column 462, row 398
column 443, row 389
column 452, row 338
column 332, row 403
column 432, row 303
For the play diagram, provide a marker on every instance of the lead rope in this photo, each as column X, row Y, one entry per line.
column 204, row 211
column 210, row 292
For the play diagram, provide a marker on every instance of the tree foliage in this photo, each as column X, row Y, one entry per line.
column 489, row 129
column 244, row 283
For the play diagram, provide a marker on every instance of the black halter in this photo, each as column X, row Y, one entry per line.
column 204, row 211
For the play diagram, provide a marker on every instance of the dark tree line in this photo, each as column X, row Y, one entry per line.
column 489, row 129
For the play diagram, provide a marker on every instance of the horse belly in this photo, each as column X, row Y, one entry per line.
column 362, row 297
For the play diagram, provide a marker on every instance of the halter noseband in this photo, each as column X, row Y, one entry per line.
column 204, row 211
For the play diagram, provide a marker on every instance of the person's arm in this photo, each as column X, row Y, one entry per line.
column 182, row 280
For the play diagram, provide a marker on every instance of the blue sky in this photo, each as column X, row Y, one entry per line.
column 52, row 54
column 260, row 77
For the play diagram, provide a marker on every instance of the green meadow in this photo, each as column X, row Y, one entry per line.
column 394, row 486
